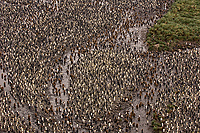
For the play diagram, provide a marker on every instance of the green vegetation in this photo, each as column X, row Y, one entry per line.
column 170, row 106
column 158, row 119
column 180, row 25
column 156, row 122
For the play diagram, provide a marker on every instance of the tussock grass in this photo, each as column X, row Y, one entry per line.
column 180, row 25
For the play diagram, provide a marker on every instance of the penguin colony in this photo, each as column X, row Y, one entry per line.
column 114, row 86
column 106, row 83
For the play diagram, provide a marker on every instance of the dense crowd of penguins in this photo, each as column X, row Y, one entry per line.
column 113, row 86
column 105, row 82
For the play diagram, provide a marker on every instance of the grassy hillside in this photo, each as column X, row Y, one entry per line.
column 178, row 28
